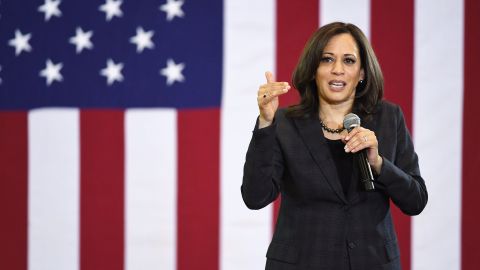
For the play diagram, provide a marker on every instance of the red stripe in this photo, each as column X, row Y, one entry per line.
column 13, row 190
column 471, row 156
column 198, row 189
column 392, row 28
column 296, row 22
column 102, row 190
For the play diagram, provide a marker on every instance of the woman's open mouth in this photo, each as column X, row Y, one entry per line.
column 336, row 85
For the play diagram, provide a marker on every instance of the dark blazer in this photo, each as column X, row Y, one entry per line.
column 318, row 226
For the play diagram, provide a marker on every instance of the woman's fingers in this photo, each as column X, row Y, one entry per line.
column 273, row 86
column 277, row 90
column 270, row 91
column 351, row 134
column 357, row 144
column 265, row 99
column 360, row 138
column 269, row 77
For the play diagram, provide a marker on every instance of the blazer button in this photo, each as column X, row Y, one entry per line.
column 352, row 245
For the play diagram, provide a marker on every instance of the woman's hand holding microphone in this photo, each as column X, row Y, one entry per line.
column 361, row 138
column 267, row 99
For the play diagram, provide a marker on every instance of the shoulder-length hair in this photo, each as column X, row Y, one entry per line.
column 368, row 93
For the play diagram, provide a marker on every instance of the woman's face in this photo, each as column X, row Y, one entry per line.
column 339, row 70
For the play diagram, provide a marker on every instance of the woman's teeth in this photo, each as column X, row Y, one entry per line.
column 337, row 84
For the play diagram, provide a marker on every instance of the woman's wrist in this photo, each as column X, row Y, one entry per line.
column 262, row 123
column 377, row 166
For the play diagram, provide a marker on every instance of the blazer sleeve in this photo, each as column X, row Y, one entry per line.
column 401, row 179
column 263, row 168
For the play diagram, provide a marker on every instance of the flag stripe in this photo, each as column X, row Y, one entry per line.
column 53, row 189
column 13, row 190
column 102, row 189
column 393, row 21
column 356, row 12
column 291, row 36
column 151, row 188
column 198, row 189
column 471, row 157
column 249, row 51
column 438, row 99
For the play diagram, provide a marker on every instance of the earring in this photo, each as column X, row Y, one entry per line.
column 360, row 87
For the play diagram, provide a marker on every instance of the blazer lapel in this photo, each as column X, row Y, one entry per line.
column 312, row 135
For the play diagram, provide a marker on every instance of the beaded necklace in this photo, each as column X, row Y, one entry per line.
column 331, row 130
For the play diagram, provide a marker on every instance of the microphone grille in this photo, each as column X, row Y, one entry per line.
column 351, row 121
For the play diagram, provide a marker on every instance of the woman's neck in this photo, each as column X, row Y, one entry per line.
column 334, row 113
column 332, row 116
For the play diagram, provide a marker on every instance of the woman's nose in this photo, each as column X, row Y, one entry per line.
column 337, row 68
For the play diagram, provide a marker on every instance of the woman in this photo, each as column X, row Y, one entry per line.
column 326, row 219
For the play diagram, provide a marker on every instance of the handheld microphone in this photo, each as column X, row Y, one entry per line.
column 351, row 121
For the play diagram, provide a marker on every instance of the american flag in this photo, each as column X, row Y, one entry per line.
column 124, row 126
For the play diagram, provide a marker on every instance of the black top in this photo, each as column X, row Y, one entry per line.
column 343, row 162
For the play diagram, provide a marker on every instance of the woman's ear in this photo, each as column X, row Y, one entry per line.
column 362, row 75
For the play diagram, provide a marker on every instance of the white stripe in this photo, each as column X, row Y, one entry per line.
column 249, row 52
column 53, row 189
column 438, row 100
column 151, row 188
column 349, row 11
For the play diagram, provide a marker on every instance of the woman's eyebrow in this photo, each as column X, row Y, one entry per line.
column 349, row 54
column 346, row 54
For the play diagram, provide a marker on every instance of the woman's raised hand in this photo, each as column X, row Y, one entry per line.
column 267, row 98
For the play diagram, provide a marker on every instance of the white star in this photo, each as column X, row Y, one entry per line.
column 20, row 42
column 111, row 8
column 82, row 40
column 173, row 72
column 50, row 8
column 52, row 72
column 173, row 8
column 143, row 39
column 113, row 72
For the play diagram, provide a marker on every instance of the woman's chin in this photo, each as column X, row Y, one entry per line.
column 337, row 98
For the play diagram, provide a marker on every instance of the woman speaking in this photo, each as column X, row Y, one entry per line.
column 330, row 216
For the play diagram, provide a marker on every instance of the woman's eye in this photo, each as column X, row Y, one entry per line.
column 349, row 61
column 327, row 59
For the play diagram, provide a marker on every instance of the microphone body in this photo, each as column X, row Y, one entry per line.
column 366, row 176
